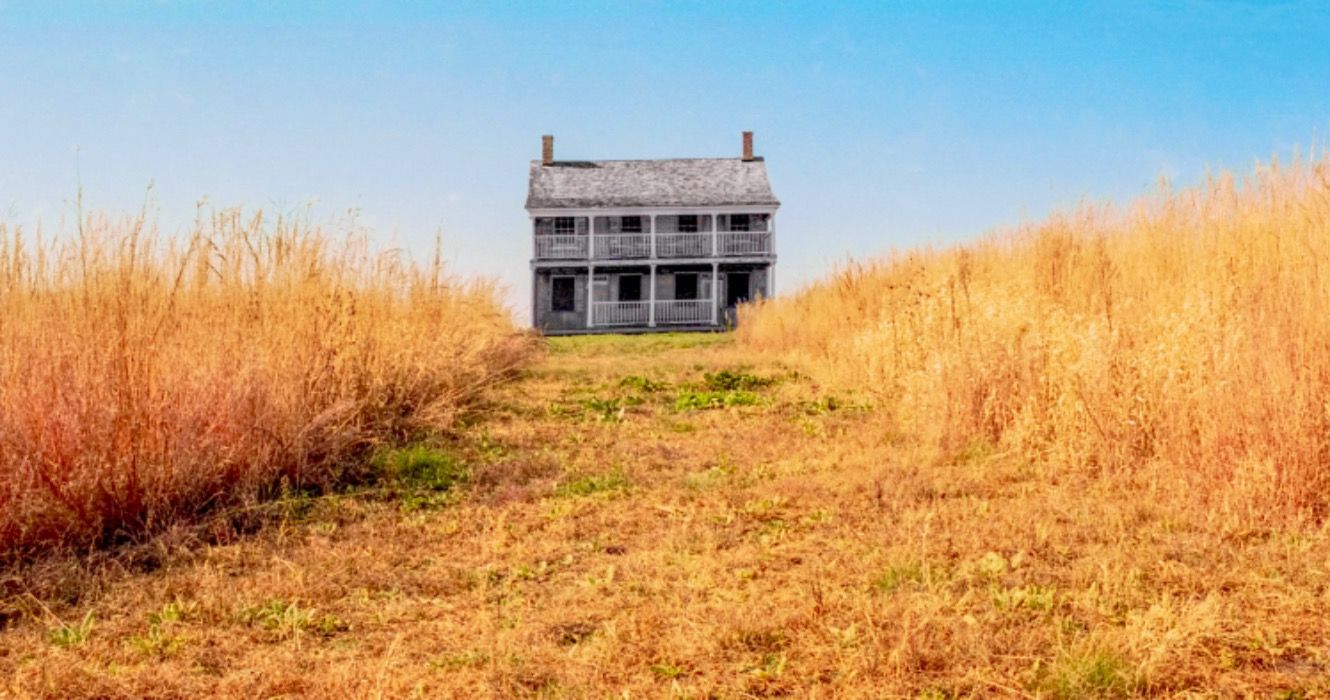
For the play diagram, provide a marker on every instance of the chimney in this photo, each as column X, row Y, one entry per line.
column 748, row 145
column 547, row 150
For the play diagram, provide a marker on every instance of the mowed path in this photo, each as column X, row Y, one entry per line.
column 666, row 516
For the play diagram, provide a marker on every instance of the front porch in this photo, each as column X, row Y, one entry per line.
column 627, row 298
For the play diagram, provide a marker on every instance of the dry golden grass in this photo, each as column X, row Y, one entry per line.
column 1082, row 459
column 1186, row 336
column 145, row 382
column 617, row 541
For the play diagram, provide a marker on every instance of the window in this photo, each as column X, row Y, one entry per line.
column 631, row 224
column 738, row 222
column 564, row 297
column 630, row 288
column 565, row 226
column 688, row 223
column 685, row 286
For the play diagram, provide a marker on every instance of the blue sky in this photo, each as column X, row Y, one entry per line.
column 884, row 124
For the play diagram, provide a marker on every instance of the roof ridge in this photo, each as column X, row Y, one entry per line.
column 647, row 160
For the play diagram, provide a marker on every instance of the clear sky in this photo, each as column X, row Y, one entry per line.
column 884, row 124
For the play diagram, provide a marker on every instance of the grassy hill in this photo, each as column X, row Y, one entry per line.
column 666, row 516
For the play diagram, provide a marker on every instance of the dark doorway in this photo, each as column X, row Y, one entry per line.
column 685, row 286
column 564, row 296
column 736, row 288
column 630, row 288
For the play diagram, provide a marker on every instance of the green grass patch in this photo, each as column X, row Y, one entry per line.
column 67, row 636
column 608, row 410
column 704, row 400
column 735, row 380
column 424, row 476
column 643, row 384
column 634, row 344
column 893, row 578
column 593, row 484
column 1037, row 598
column 1097, row 674
column 290, row 620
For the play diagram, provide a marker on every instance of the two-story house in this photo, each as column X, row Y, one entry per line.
column 639, row 245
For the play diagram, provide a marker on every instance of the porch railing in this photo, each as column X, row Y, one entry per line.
column 623, row 245
column 620, row 313
column 683, row 245
column 683, row 311
column 561, row 247
column 743, row 242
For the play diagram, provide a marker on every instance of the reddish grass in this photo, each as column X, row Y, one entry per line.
column 146, row 380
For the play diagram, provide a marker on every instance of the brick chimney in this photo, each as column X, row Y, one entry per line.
column 547, row 150
column 748, row 145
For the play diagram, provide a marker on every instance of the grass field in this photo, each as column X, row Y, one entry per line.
column 1088, row 457
column 664, row 516
column 149, row 382
column 1184, row 334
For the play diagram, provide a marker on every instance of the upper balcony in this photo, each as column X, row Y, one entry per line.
column 653, row 237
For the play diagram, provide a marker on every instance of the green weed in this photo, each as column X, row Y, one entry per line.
column 68, row 636
column 1091, row 675
column 426, row 476
column 894, row 577
column 290, row 620
column 643, row 384
column 593, row 484
column 703, row 400
column 734, row 380
column 608, row 410
column 1028, row 597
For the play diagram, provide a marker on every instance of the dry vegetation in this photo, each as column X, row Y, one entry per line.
column 658, row 517
column 146, row 382
column 1187, row 336
column 1083, row 459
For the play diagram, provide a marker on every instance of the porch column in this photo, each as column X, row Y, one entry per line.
column 715, row 225
column 715, row 287
column 590, row 237
column 590, row 295
column 651, row 308
column 652, row 218
column 771, row 231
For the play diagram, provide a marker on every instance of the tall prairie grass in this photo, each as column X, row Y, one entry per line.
column 1187, row 334
column 145, row 380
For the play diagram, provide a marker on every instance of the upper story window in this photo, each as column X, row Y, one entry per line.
column 738, row 222
column 631, row 224
column 565, row 226
column 688, row 223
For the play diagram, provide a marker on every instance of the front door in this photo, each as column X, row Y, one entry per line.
column 736, row 289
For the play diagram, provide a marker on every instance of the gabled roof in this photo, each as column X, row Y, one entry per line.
column 683, row 182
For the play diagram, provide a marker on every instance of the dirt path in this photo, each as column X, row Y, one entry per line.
column 649, row 517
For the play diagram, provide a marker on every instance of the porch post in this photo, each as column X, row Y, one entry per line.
column 590, row 295
column 771, row 231
column 591, row 237
column 651, row 309
column 715, row 225
column 715, row 287
column 652, row 218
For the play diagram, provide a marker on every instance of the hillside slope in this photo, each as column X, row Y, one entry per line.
column 666, row 516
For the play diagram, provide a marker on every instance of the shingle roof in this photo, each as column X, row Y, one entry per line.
column 693, row 182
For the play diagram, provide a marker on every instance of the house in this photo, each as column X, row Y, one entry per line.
column 646, row 245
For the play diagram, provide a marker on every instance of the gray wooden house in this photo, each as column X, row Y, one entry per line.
column 642, row 245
